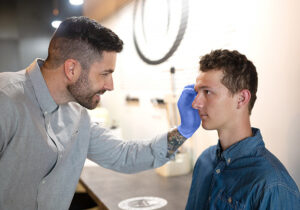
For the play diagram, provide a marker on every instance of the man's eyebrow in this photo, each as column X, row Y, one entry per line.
column 202, row 87
column 108, row 71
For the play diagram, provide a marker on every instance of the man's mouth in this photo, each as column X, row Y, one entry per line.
column 100, row 93
column 203, row 116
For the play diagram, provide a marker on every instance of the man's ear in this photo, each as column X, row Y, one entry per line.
column 72, row 69
column 244, row 97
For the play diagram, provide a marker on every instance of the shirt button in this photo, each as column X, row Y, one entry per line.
column 44, row 181
column 218, row 171
column 228, row 160
column 229, row 200
column 60, row 156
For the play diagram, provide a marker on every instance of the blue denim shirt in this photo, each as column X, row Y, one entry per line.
column 244, row 176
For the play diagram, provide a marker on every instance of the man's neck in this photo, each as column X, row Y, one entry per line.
column 56, row 85
column 235, row 134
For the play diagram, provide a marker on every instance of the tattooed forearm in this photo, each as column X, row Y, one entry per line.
column 175, row 140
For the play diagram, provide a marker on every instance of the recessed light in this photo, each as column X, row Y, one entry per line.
column 76, row 2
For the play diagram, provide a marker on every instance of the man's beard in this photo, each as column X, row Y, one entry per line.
column 82, row 93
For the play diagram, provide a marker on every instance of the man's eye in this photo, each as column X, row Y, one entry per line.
column 208, row 92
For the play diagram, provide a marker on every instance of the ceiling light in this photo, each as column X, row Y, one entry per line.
column 55, row 23
column 76, row 2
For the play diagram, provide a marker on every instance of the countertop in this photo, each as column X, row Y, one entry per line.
column 108, row 188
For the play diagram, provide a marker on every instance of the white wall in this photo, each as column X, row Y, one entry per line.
column 268, row 32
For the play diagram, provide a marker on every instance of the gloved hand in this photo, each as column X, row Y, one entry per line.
column 190, row 119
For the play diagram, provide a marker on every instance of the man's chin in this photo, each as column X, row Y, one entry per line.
column 207, row 127
column 91, row 105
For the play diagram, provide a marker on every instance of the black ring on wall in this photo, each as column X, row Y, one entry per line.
column 179, row 37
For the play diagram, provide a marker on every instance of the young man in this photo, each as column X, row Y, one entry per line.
column 238, row 172
column 45, row 131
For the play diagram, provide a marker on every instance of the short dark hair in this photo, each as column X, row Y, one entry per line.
column 239, row 72
column 82, row 39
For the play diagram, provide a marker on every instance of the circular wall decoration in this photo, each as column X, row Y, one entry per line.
column 158, row 28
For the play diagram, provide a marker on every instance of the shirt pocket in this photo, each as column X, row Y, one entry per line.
column 225, row 201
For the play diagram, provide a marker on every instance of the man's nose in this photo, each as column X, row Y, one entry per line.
column 198, row 101
column 109, row 84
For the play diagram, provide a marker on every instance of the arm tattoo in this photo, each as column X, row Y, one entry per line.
column 175, row 140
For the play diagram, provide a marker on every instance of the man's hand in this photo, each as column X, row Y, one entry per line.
column 190, row 119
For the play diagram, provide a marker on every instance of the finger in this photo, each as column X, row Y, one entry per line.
column 188, row 96
column 189, row 91
column 190, row 86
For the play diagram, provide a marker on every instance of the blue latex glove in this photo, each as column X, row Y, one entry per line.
column 190, row 119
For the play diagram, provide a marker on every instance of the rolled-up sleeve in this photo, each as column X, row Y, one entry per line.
column 126, row 156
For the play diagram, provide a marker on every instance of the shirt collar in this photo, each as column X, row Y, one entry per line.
column 246, row 147
column 41, row 90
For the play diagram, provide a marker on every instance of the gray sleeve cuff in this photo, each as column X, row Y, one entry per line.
column 160, row 149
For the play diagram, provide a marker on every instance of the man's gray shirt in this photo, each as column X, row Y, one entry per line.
column 43, row 146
